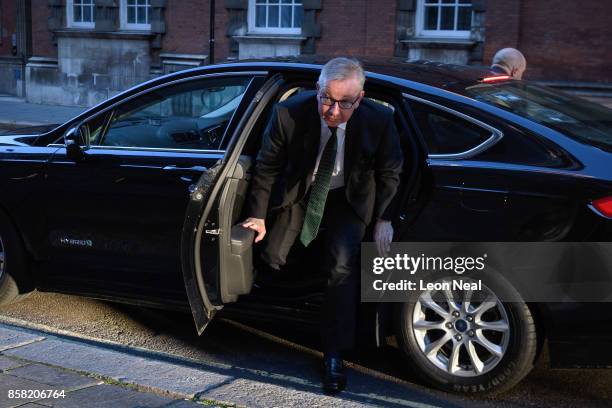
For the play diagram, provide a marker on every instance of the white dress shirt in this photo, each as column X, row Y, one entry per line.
column 337, row 179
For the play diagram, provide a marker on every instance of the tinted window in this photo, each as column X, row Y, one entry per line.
column 577, row 118
column 191, row 115
column 446, row 133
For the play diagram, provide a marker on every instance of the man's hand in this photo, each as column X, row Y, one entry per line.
column 258, row 225
column 383, row 235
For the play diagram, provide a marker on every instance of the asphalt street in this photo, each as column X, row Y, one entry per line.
column 289, row 353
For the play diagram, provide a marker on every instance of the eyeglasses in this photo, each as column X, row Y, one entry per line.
column 327, row 101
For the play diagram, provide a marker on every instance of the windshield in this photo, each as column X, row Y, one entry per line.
column 584, row 121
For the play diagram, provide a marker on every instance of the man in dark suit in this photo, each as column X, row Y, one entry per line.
column 330, row 162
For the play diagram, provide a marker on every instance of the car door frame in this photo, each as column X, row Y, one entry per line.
column 201, row 205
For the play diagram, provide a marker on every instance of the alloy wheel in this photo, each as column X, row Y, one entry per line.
column 465, row 333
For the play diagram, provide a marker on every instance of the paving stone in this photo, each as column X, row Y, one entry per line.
column 8, row 382
column 108, row 396
column 10, row 338
column 127, row 368
column 8, row 363
column 53, row 376
column 259, row 394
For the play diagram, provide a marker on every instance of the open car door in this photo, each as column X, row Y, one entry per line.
column 216, row 252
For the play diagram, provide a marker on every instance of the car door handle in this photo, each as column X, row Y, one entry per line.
column 185, row 170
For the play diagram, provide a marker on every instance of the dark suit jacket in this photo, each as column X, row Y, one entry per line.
column 286, row 161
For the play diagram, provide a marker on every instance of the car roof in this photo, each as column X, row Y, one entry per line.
column 431, row 73
column 450, row 77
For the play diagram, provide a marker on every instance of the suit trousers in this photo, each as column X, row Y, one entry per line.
column 342, row 232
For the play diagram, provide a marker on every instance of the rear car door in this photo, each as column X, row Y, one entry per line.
column 114, row 219
column 490, row 180
column 462, row 201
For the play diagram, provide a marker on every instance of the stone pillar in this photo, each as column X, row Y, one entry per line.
column 158, row 22
column 57, row 17
column 107, row 15
column 23, row 42
column 310, row 28
column 238, row 25
column 24, row 28
column 405, row 26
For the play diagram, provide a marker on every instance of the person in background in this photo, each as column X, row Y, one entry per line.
column 509, row 61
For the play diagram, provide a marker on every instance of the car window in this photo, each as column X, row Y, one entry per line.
column 445, row 133
column 584, row 121
column 190, row 115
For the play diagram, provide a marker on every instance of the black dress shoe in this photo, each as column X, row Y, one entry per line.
column 334, row 378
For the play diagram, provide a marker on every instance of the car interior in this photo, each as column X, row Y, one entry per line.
column 178, row 117
column 300, row 279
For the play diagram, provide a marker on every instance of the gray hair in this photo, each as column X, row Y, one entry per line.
column 341, row 68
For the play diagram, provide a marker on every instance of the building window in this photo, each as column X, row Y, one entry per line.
column 136, row 14
column 444, row 18
column 275, row 16
column 81, row 13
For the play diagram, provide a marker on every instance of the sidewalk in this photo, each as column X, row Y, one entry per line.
column 80, row 374
column 86, row 372
column 16, row 113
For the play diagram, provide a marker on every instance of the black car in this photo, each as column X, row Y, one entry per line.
column 139, row 199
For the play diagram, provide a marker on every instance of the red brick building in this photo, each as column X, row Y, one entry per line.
column 78, row 52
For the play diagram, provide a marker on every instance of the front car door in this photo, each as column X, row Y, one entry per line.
column 114, row 219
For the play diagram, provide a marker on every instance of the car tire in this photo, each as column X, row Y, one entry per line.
column 515, row 348
column 15, row 284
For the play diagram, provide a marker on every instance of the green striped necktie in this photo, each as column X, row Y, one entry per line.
column 319, row 189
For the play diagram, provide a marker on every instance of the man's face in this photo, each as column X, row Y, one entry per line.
column 347, row 90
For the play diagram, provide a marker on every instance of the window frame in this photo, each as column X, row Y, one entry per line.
column 494, row 138
column 70, row 23
column 252, row 28
column 424, row 33
column 123, row 18
column 109, row 111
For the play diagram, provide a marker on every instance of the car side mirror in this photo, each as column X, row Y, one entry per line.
column 76, row 140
